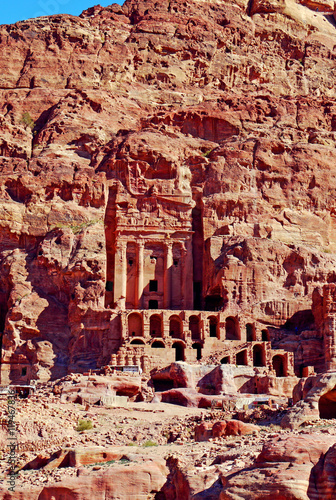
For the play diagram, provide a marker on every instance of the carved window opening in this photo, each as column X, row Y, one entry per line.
column 225, row 360
column 153, row 286
column 153, row 304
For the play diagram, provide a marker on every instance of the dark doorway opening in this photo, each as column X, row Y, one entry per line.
column 225, row 360
column 279, row 366
column 265, row 335
column 179, row 351
column 197, row 295
column 231, row 329
column 158, row 345
column 213, row 326
column 250, row 332
column 153, row 304
column 241, row 358
column 258, row 356
column 198, row 347
column 194, row 327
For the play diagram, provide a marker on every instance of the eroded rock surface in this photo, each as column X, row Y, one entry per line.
column 236, row 97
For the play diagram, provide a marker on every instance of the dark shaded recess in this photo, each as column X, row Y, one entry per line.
column 214, row 303
column 327, row 405
column 300, row 321
column 161, row 385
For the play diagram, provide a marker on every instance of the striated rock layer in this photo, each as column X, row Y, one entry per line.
column 228, row 106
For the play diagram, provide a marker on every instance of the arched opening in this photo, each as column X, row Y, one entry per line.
column 155, row 326
column 137, row 342
column 214, row 303
column 225, row 360
column 179, row 351
column 135, row 325
column 278, row 364
column 265, row 335
column 175, row 327
column 327, row 405
column 241, row 358
column 258, row 356
column 250, row 332
column 232, row 329
column 194, row 327
column 157, row 344
column 213, row 326
column 198, row 347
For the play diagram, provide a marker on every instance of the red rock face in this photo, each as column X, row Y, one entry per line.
column 231, row 104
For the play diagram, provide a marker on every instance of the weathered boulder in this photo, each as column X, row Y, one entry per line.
column 204, row 431
column 95, row 388
column 116, row 483
column 319, row 393
column 282, row 470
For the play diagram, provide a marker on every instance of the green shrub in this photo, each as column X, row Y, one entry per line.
column 27, row 120
column 84, row 425
column 148, row 443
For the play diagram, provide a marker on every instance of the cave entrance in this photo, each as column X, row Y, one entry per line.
column 161, row 385
column 214, row 303
column 327, row 405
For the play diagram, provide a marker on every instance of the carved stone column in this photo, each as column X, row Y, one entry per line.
column 140, row 273
column 168, row 275
column 188, row 275
column 120, row 275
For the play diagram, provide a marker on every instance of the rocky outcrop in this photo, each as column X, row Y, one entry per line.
column 93, row 389
column 282, row 470
column 316, row 398
column 203, row 432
